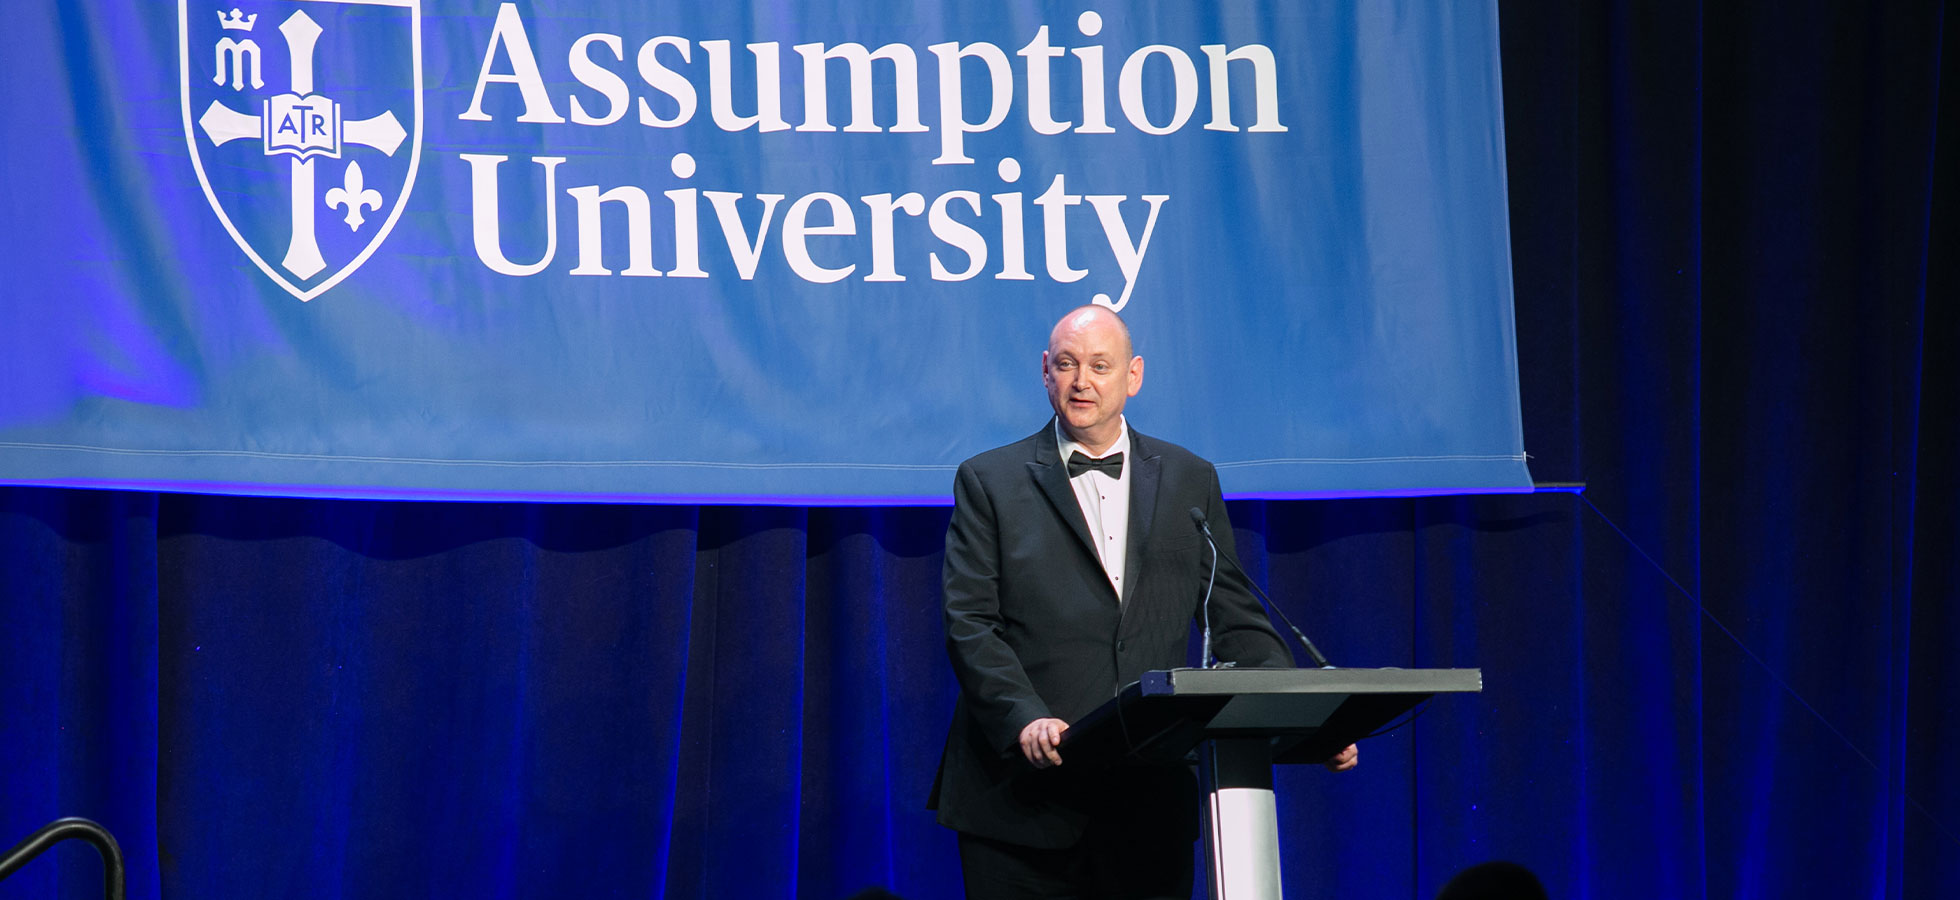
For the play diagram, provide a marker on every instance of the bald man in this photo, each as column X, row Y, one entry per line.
column 1071, row 569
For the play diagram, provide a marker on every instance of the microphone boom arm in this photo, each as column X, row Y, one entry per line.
column 1198, row 518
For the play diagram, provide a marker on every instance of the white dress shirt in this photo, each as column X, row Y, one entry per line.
column 1105, row 501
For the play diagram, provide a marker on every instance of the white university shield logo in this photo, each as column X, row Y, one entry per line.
column 304, row 119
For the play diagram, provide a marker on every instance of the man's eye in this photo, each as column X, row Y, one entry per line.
column 1064, row 365
column 1102, row 368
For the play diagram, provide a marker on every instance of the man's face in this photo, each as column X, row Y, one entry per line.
column 1090, row 374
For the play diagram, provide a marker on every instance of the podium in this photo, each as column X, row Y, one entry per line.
column 1243, row 722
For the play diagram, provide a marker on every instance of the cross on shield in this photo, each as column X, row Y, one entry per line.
column 351, row 73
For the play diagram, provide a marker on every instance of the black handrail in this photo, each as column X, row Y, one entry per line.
column 60, row 830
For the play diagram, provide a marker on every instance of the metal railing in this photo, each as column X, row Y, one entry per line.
column 60, row 830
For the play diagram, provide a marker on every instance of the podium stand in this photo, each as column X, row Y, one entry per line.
column 1248, row 720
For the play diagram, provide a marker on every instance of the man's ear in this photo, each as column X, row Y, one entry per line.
column 1136, row 374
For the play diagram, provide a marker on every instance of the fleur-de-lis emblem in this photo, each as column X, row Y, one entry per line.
column 353, row 195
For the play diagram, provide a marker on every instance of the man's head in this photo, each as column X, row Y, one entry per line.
column 1091, row 370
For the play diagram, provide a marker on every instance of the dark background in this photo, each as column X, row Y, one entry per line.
column 1725, row 670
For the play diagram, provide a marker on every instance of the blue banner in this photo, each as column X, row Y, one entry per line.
column 744, row 252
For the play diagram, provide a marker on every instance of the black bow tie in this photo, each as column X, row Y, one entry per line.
column 1111, row 465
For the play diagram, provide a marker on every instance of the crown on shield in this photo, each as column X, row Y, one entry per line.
column 237, row 21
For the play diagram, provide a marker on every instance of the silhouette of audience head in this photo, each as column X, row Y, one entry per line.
column 1494, row 881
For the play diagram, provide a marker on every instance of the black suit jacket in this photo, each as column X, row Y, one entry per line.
column 1035, row 630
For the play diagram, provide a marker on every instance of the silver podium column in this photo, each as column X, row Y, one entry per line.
column 1241, row 824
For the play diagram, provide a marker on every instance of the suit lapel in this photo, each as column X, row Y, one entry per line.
column 1146, row 467
column 1052, row 477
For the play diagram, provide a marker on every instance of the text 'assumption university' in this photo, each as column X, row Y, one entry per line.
column 981, row 232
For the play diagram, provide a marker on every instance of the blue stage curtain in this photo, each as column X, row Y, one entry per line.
column 78, row 681
column 1724, row 671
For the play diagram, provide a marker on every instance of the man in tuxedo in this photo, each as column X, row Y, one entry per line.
column 1072, row 568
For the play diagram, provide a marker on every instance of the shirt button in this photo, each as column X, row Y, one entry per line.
column 1119, row 646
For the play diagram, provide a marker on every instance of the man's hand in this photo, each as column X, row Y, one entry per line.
column 1348, row 758
column 1041, row 742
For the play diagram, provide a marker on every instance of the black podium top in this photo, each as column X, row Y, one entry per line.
column 1308, row 713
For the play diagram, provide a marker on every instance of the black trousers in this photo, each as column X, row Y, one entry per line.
column 1111, row 863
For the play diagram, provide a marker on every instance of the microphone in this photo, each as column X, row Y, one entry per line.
column 1198, row 519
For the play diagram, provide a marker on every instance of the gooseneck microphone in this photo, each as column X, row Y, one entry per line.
column 1198, row 519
